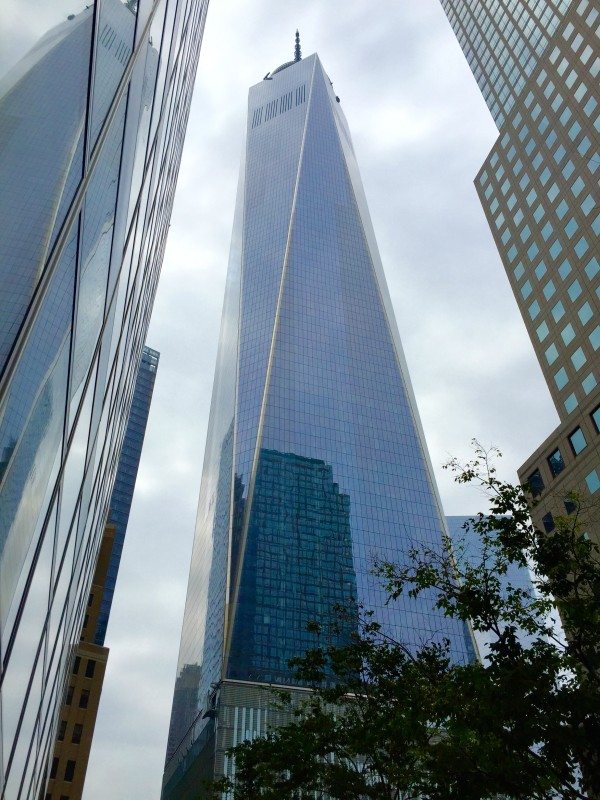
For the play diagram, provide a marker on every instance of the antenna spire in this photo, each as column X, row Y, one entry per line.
column 297, row 50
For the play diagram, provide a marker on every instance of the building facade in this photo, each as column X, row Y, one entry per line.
column 77, row 716
column 94, row 102
column 315, row 460
column 539, row 190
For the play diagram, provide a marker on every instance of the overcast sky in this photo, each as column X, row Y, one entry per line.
column 421, row 131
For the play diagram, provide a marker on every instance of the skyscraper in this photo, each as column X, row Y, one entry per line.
column 537, row 63
column 93, row 107
column 78, row 713
column 315, row 460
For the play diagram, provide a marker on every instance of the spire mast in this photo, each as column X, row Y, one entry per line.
column 297, row 50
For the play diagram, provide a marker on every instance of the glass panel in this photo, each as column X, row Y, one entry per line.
column 577, row 440
column 44, row 68
column 556, row 463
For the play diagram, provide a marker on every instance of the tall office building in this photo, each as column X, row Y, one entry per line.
column 94, row 101
column 77, row 716
column 315, row 460
column 537, row 63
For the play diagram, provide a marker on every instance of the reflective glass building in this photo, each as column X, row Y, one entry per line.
column 315, row 459
column 538, row 65
column 94, row 101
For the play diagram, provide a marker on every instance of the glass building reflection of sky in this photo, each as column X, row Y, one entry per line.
column 94, row 98
column 315, row 460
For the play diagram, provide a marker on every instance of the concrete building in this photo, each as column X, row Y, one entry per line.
column 538, row 64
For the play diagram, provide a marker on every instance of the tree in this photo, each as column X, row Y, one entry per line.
column 385, row 721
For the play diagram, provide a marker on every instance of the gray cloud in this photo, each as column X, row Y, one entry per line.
column 421, row 131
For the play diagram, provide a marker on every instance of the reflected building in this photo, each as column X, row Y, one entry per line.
column 315, row 459
column 94, row 100
column 537, row 63
column 77, row 716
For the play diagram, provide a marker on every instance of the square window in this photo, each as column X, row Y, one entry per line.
column 591, row 268
column 588, row 204
column 568, row 169
column 568, row 334
column 533, row 251
column 553, row 193
column 547, row 231
column 540, row 270
column 585, row 313
column 577, row 441
column 549, row 290
column 595, row 337
column 534, row 309
column 574, row 290
column 561, row 378
column 542, row 331
column 551, row 354
column 571, row 227
column 577, row 187
column 571, row 403
column 581, row 246
column 526, row 290
column 593, row 481
column 562, row 209
column 558, row 311
column 535, row 483
column 555, row 462
column 555, row 249
column 570, row 506
column 589, row 383
column 548, row 522
column 564, row 269
column 595, row 415
column 578, row 358
column 519, row 270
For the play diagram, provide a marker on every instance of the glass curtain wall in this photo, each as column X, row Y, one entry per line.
column 94, row 100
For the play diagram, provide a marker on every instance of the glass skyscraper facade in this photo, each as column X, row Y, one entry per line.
column 539, row 190
column 94, row 102
column 315, row 460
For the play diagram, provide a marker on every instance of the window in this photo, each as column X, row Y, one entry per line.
column 69, row 697
column 69, row 770
column 526, row 290
column 571, row 403
column 551, row 354
column 535, row 482
column 585, row 313
column 593, row 481
column 77, row 731
column 61, row 730
column 595, row 337
column 534, row 309
column 76, row 664
column 54, row 767
column 578, row 358
column 561, row 378
column 568, row 334
column 558, row 311
column 589, row 383
column 90, row 600
column 549, row 290
column 577, row 441
column 595, row 415
column 574, row 290
column 542, row 331
column 591, row 268
column 90, row 668
column 570, row 506
column 540, row 270
column 84, row 698
column 548, row 522
column 556, row 463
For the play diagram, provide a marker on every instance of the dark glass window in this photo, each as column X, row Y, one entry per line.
column 555, row 462
column 69, row 697
column 90, row 668
column 570, row 506
column 61, row 730
column 84, row 698
column 77, row 731
column 69, row 770
column 76, row 664
column 54, row 767
column 535, row 483
column 90, row 600
column 596, row 418
column 548, row 522
column 577, row 441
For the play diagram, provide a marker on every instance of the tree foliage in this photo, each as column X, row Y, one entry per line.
column 385, row 721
